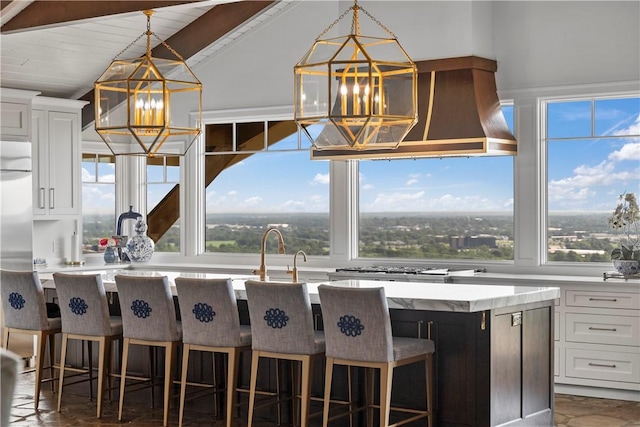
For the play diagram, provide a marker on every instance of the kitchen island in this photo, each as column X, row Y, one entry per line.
column 494, row 346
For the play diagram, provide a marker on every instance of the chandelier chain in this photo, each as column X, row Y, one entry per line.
column 172, row 50
column 130, row 44
column 379, row 23
column 355, row 26
column 326, row 30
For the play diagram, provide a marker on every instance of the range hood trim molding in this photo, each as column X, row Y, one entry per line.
column 459, row 115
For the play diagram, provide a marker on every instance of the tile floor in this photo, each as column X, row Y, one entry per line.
column 571, row 411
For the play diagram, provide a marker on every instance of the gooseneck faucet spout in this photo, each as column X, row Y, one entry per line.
column 294, row 272
column 263, row 267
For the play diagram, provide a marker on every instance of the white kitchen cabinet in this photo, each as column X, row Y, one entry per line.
column 15, row 114
column 56, row 133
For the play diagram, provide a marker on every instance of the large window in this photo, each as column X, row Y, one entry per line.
column 593, row 155
column 450, row 208
column 257, row 175
column 163, row 201
column 98, row 199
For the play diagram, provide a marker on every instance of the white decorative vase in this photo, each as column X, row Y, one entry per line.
column 140, row 246
column 626, row 267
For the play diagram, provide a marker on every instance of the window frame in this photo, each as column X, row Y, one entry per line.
column 543, row 102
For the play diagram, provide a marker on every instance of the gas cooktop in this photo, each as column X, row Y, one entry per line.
column 381, row 269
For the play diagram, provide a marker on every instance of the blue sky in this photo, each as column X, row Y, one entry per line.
column 584, row 174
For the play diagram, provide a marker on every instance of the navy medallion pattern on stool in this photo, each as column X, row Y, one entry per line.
column 276, row 318
column 78, row 306
column 203, row 312
column 16, row 300
column 350, row 325
column 141, row 308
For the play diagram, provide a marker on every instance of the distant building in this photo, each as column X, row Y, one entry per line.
column 470, row 242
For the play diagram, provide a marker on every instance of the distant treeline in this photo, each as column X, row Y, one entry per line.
column 392, row 235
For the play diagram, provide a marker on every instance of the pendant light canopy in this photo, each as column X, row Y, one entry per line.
column 360, row 90
column 135, row 102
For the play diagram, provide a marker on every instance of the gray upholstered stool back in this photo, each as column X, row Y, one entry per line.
column 357, row 325
column 83, row 304
column 281, row 317
column 147, row 308
column 23, row 303
column 209, row 312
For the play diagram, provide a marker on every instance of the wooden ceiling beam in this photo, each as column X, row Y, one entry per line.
column 196, row 36
column 54, row 12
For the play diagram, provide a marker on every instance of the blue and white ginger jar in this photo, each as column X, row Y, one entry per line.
column 140, row 247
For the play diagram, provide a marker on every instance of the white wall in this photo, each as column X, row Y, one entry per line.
column 537, row 43
column 554, row 43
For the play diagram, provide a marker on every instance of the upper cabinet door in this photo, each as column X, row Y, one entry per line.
column 56, row 163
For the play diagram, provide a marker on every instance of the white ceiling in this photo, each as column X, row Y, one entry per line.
column 63, row 60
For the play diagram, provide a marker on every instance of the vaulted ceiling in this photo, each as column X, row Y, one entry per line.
column 60, row 47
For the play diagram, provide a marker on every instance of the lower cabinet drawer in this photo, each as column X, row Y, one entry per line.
column 602, row 329
column 602, row 299
column 602, row 365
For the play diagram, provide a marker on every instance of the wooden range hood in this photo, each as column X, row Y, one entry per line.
column 459, row 115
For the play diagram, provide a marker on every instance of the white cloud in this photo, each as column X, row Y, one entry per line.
column 320, row 178
column 87, row 176
column 232, row 192
column 252, row 201
column 393, row 201
column 412, row 181
column 633, row 129
column 399, row 201
column 627, row 152
column 368, row 187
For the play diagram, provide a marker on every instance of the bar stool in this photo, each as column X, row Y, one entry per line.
column 210, row 322
column 25, row 312
column 85, row 316
column 148, row 318
column 282, row 329
column 357, row 326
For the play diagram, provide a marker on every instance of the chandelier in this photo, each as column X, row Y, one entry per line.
column 355, row 92
column 136, row 101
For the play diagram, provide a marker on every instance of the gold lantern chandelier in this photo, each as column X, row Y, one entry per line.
column 355, row 92
column 135, row 101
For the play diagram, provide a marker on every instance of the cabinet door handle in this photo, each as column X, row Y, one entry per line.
column 52, row 198
column 592, row 328
column 602, row 365
column 41, row 198
column 603, row 299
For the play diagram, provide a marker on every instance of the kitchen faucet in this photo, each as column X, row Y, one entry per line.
column 294, row 272
column 263, row 268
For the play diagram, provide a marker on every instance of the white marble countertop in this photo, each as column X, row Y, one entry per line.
column 454, row 297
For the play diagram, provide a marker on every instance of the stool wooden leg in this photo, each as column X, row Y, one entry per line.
column 232, row 375
column 307, row 365
column 5, row 338
column 328, row 376
column 63, row 357
column 255, row 359
column 386, row 380
column 52, row 358
column 41, row 337
column 169, row 357
column 104, row 349
column 183, row 380
column 123, row 375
